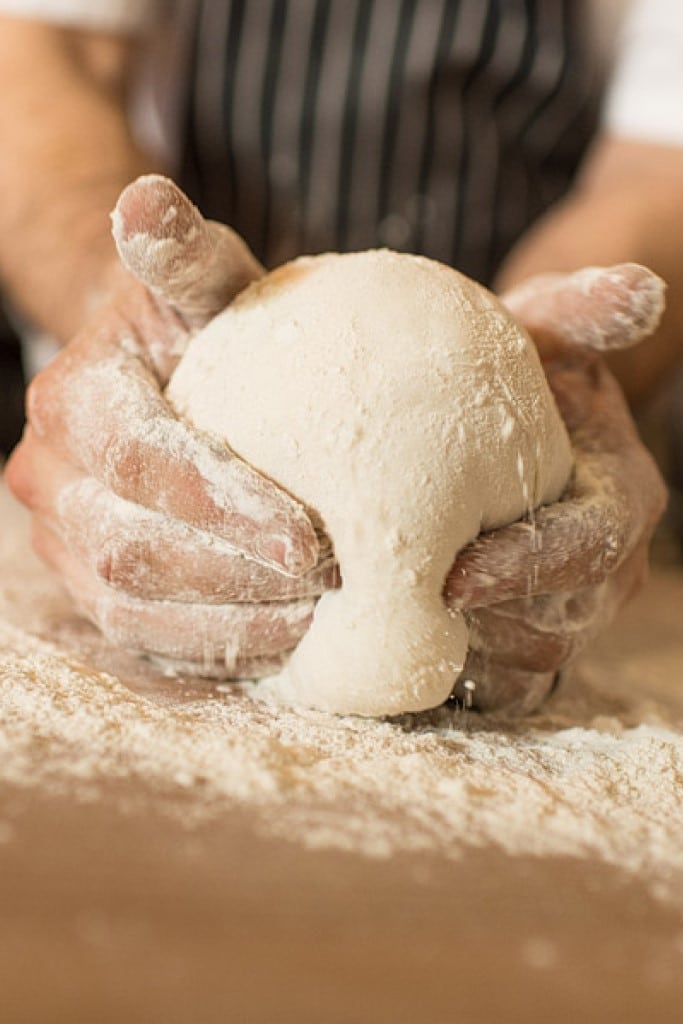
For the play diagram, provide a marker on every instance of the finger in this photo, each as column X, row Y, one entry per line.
column 567, row 545
column 244, row 668
column 537, row 634
column 100, row 408
column 601, row 308
column 572, row 544
column 145, row 553
column 615, row 498
column 220, row 637
column 28, row 475
column 518, row 647
column 155, row 558
column 195, row 265
column 152, row 557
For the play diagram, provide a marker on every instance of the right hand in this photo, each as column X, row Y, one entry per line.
column 167, row 541
column 536, row 592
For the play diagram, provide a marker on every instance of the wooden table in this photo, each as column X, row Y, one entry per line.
column 120, row 904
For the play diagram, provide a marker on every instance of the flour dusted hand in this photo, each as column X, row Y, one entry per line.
column 535, row 594
column 402, row 403
column 165, row 539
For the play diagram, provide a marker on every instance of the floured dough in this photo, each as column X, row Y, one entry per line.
column 401, row 402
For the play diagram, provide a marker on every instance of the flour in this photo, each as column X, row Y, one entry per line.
column 599, row 774
column 577, row 781
column 400, row 402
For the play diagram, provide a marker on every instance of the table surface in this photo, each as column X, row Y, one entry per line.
column 174, row 852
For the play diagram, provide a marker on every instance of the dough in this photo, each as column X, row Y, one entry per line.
column 401, row 402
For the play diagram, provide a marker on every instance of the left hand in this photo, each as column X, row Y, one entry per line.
column 165, row 539
column 536, row 591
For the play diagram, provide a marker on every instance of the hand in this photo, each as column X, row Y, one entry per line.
column 164, row 538
column 535, row 592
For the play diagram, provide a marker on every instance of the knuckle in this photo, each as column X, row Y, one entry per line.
column 612, row 553
column 19, row 481
column 118, row 620
column 122, row 463
column 121, row 563
column 110, row 566
column 37, row 402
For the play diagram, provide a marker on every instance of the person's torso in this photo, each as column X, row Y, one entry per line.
column 436, row 126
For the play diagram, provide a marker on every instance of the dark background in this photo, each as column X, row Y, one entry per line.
column 11, row 388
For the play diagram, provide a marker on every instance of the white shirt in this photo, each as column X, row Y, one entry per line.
column 114, row 15
column 645, row 95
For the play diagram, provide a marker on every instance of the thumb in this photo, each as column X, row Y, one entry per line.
column 599, row 308
column 196, row 266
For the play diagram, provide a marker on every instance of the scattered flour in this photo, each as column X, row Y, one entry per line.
column 598, row 774
column 374, row 787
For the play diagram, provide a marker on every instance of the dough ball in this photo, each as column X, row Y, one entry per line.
column 402, row 403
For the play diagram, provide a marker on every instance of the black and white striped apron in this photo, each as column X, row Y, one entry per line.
column 436, row 126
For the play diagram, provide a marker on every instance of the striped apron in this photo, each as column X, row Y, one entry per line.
column 443, row 127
